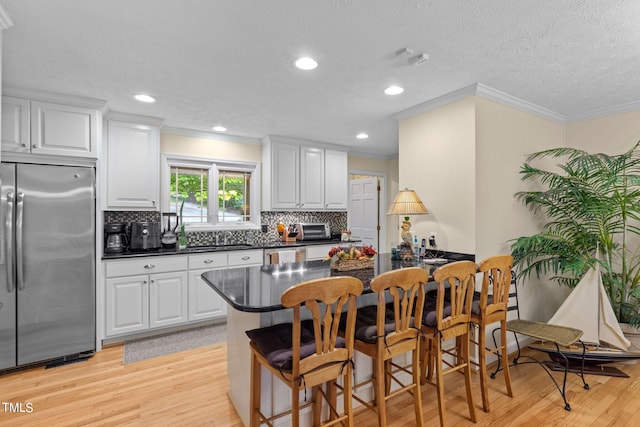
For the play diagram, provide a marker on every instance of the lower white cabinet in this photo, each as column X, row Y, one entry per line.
column 127, row 305
column 154, row 292
column 204, row 302
column 316, row 252
column 168, row 299
column 136, row 301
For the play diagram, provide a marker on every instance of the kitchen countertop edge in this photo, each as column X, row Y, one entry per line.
column 212, row 249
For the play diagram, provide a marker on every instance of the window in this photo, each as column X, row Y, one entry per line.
column 188, row 183
column 189, row 189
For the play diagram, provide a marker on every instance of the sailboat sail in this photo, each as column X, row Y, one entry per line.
column 588, row 308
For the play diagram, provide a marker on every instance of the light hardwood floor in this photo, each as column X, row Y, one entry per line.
column 189, row 389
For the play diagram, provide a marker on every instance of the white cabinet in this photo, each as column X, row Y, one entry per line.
column 50, row 128
column 15, row 124
column 284, row 177
column 143, row 293
column 133, row 164
column 302, row 177
column 127, row 304
column 204, row 302
column 312, row 174
column 168, row 299
column 336, row 180
column 318, row 252
column 245, row 258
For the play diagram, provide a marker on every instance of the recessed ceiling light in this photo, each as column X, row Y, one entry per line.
column 394, row 90
column 144, row 98
column 306, row 63
column 362, row 135
column 219, row 128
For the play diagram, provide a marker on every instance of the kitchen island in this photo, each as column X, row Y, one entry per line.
column 254, row 295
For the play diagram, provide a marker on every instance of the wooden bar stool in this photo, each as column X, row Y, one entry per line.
column 309, row 353
column 387, row 330
column 491, row 308
column 450, row 320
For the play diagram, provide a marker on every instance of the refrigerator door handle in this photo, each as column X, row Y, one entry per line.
column 19, row 261
column 11, row 281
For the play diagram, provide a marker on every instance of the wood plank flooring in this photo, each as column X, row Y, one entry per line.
column 190, row 389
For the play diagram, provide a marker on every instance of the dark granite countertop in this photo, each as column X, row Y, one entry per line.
column 259, row 288
column 219, row 248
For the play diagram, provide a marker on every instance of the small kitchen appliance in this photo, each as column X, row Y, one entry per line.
column 145, row 236
column 313, row 231
column 169, row 236
column 115, row 238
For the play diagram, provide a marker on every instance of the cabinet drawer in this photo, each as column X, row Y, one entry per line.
column 241, row 258
column 211, row 260
column 316, row 252
column 146, row 265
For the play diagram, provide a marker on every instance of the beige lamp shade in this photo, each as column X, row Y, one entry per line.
column 407, row 203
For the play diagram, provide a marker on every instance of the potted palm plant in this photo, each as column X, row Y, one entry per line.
column 590, row 204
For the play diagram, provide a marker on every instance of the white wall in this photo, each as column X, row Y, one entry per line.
column 388, row 167
column 210, row 147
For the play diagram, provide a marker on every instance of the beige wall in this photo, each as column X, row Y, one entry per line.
column 613, row 134
column 209, row 147
column 437, row 160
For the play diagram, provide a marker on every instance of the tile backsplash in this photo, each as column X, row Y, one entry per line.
column 337, row 222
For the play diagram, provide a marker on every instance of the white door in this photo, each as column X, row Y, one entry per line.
column 168, row 299
column 127, row 304
column 363, row 210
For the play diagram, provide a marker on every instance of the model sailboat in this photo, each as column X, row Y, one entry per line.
column 588, row 308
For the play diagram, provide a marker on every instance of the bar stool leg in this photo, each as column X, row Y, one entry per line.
column 482, row 361
column 254, row 417
column 505, row 356
column 467, row 377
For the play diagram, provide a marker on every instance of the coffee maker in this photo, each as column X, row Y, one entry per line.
column 115, row 240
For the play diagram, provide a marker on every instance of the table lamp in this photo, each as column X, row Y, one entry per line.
column 406, row 203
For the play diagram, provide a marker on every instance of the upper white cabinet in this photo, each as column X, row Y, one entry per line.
column 51, row 128
column 336, row 180
column 302, row 177
column 132, row 162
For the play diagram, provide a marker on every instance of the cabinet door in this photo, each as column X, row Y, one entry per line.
column 63, row 130
column 311, row 178
column 167, row 299
column 132, row 165
column 285, row 162
column 15, row 124
column 127, row 305
column 336, row 179
column 204, row 302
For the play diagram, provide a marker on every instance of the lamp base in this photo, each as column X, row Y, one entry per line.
column 406, row 252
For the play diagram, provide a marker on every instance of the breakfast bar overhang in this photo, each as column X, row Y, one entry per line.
column 254, row 294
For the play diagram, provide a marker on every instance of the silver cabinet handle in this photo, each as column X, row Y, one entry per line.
column 11, row 280
column 144, row 282
column 19, row 263
column 246, row 258
column 149, row 266
column 208, row 261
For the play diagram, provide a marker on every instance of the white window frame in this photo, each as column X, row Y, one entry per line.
column 213, row 166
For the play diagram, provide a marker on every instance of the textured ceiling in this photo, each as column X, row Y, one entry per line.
column 230, row 62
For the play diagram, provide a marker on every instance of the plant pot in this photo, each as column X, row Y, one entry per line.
column 632, row 334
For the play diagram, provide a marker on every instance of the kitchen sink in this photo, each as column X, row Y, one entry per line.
column 228, row 247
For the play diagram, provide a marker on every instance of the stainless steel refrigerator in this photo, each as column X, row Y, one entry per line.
column 47, row 263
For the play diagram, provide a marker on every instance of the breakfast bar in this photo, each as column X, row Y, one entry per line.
column 254, row 294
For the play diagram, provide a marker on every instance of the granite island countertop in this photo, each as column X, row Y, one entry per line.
column 258, row 289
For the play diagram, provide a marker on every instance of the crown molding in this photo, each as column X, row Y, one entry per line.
column 5, row 20
column 210, row 135
column 134, row 118
column 437, row 102
column 492, row 94
column 483, row 91
column 36, row 95
column 617, row 109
